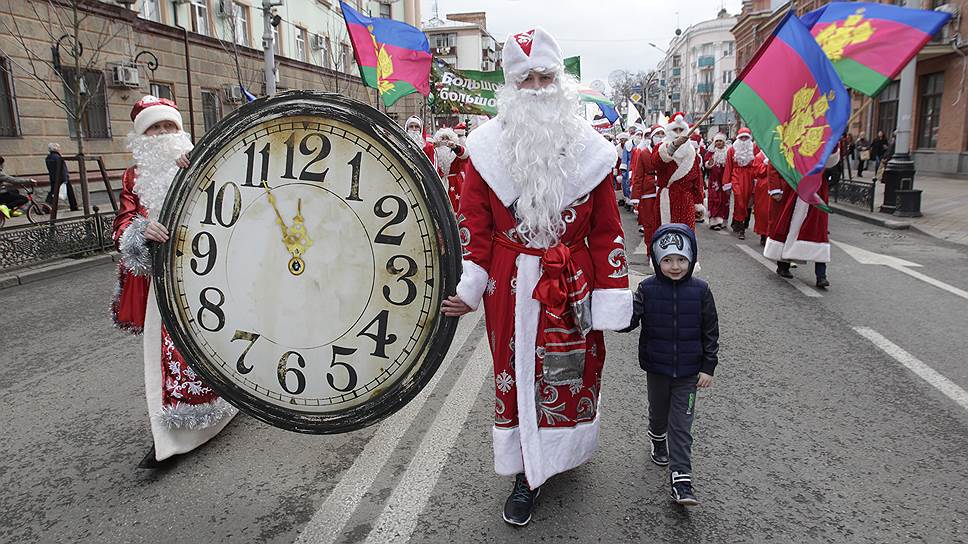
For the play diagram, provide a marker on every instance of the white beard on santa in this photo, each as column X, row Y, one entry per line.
column 719, row 155
column 155, row 159
column 743, row 151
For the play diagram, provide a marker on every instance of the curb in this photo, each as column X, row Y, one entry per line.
column 868, row 218
column 52, row 270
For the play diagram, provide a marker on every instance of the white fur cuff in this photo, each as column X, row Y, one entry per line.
column 728, row 187
column 611, row 309
column 664, row 152
column 473, row 281
column 776, row 192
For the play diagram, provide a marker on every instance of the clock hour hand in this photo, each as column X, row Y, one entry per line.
column 295, row 237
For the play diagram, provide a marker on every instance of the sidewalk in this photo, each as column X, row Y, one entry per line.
column 944, row 203
column 30, row 274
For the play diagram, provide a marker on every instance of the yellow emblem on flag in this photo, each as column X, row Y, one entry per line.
column 384, row 65
column 799, row 134
column 834, row 39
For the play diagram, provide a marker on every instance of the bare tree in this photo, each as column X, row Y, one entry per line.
column 624, row 84
column 66, row 26
column 333, row 53
column 244, row 64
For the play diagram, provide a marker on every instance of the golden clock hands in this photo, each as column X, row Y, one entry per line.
column 272, row 200
column 295, row 238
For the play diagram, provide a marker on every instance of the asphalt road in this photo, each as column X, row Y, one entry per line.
column 815, row 430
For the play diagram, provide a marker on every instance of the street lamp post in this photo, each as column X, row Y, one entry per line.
column 900, row 197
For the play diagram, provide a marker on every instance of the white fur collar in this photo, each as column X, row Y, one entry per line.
column 485, row 149
column 685, row 156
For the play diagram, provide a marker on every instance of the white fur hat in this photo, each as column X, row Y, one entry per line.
column 413, row 119
column 446, row 133
column 677, row 120
column 531, row 50
column 150, row 110
column 719, row 137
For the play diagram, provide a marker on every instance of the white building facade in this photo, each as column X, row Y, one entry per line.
column 462, row 40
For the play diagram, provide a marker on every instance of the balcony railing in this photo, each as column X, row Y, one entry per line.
column 676, row 71
column 704, row 88
column 706, row 61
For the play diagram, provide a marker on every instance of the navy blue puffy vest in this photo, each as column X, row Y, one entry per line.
column 670, row 342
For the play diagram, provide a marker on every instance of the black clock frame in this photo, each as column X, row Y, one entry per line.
column 377, row 125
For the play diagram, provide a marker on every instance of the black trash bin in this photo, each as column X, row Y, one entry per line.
column 908, row 203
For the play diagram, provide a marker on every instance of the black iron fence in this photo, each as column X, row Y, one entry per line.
column 854, row 191
column 29, row 245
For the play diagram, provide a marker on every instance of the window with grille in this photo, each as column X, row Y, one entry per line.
column 448, row 39
column 161, row 90
column 346, row 57
column 929, row 112
column 94, row 117
column 385, row 11
column 211, row 108
column 9, row 125
column 200, row 16
column 887, row 108
column 151, row 10
column 301, row 44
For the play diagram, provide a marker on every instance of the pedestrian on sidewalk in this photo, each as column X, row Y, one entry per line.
column 10, row 197
column 863, row 154
column 543, row 248
column 800, row 233
column 54, row 163
column 184, row 412
column 678, row 349
column 878, row 150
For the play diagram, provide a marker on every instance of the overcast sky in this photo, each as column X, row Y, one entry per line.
column 608, row 34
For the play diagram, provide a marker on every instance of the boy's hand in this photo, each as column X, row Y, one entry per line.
column 183, row 161
column 705, row 380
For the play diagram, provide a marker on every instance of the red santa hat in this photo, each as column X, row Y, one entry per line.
column 461, row 129
column 677, row 121
column 150, row 110
column 534, row 49
column 656, row 127
column 696, row 137
column 745, row 131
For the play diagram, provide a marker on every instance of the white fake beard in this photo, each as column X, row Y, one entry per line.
column 445, row 157
column 656, row 140
column 540, row 140
column 743, row 152
column 416, row 136
column 719, row 155
column 154, row 158
column 645, row 145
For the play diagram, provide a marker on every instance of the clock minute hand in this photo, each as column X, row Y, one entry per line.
column 279, row 220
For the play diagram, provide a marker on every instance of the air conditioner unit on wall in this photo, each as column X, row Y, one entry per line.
column 949, row 30
column 317, row 42
column 123, row 75
column 232, row 94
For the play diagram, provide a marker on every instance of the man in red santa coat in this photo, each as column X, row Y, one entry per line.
column 415, row 130
column 184, row 411
column 718, row 198
column 644, row 175
column 451, row 158
column 678, row 172
column 544, row 248
column 738, row 178
column 762, row 202
column 639, row 143
column 800, row 232
column 697, row 142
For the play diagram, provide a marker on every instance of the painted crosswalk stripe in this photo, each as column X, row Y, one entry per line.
column 770, row 265
column 410, row 496
column 925, row 372
column 327, row 523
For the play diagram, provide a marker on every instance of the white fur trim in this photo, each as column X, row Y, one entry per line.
column 508, row 460
column 465, row 154
column 727, row 186
column 685, row 157
column 526, row 312
column 700, row 208
column 567, row 448
column 154, row 114
column 611, row 309
column 473, row 281
column 775, row 192
column 649, row 196
column 801, row 250
column 773, row 250
column 484, row 146
column 797, row 250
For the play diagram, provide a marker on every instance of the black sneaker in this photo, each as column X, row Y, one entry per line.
column 783, row 271
column 660, row 449
column 520, row 505
column 822, row 283
column 742, row 234
column 681, row 489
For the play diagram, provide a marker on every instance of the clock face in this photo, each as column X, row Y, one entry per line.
column 311, row 247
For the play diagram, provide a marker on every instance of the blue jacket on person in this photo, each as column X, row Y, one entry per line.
column 680, row 326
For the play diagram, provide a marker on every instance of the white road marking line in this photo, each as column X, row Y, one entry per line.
column 864, row 256
column 928, row 374
column 327, row 523
column 410, row 496
column 771, row 266
column 929, row 280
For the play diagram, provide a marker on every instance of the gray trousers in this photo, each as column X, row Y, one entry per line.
column 672, row 406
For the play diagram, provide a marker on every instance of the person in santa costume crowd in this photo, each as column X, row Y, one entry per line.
column 184, row 411
column 738, row 177
column 678, row 171
column 543, row 247
column 717, row 196
column 451, row 157
column 649, row 215
column 762, row 201
column 775, row 189
column 624, row 156
column 415, row 130
column 697, row 142
column 461, row 130
column 639, row 143
column 800, row 232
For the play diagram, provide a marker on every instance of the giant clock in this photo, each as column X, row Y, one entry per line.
column 311, row 246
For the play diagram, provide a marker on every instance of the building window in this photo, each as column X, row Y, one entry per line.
column 727, row 49
column 94, row 119
column 161, row 90
column 241, row 21
column 211, row 108
column 727, row 77
column 385, row 11
column 151, row 10
column 327, row 54
column 345, row 57
column 9, row 125
column 301, row 44
column 276, row 41
column 887, row 108
column 448, row 39
column 200, row 16
column 929, row 113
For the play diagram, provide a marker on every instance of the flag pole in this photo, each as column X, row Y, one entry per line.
column 705, row 116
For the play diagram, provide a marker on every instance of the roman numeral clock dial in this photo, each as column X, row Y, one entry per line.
column 313, row 247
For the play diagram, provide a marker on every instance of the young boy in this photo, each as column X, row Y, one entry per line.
column 678, row 349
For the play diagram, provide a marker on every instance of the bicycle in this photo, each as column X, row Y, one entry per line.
column 33, row 208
